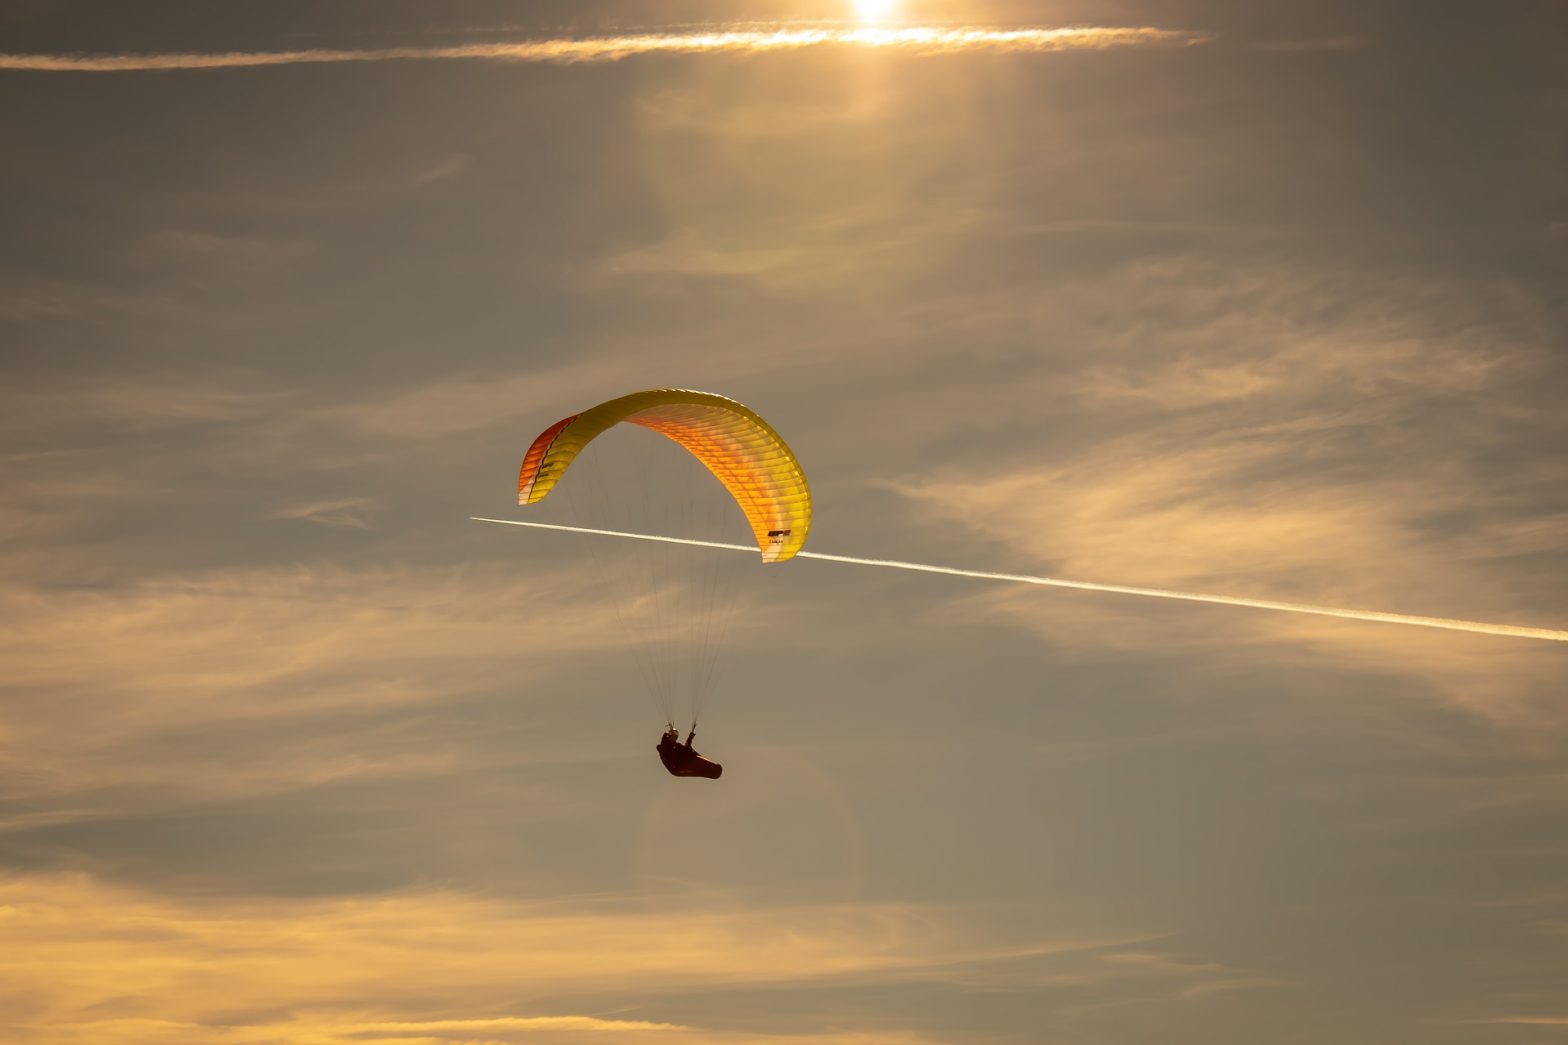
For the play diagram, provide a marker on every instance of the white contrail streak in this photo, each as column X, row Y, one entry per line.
column 1478, row 627
column 569, row 50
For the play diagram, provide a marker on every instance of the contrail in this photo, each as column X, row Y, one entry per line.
column 1477, row 627
column 568, row 50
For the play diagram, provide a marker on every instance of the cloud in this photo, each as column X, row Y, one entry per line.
column 871, row 244
column 180, row 655
column 1523, row 1021
column 748, row 210
column 686, row 255
column 919, row 40
column 31, row 299
column 338, row 513
column 1144, row 977
column 1224, row 435
column 449, row 166
column 89, row 961
column 166, row 401
column 232, row 685
column 1194, row 520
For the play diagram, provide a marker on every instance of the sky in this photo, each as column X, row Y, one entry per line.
column 1256, row 299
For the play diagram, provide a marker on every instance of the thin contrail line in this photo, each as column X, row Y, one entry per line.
column 567, row 50
column 1477, row 627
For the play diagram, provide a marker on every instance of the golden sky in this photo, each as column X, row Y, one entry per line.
column 1211, row 296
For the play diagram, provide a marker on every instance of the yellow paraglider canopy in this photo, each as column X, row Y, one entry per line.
column 741, row 450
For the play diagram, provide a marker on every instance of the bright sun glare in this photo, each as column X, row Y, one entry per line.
column 874, row 10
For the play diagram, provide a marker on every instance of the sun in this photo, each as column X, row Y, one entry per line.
column 874, row 10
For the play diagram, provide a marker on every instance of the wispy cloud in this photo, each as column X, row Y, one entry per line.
column 347, row 513
column 1230, row 435
column 266, row 645
column 88, row 961
column 918, row 40
column 446, row 167
column 1144, row 977
column 1522, row 1021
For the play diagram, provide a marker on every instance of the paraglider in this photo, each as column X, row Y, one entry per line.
column 681, row 759
column 754, row 465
